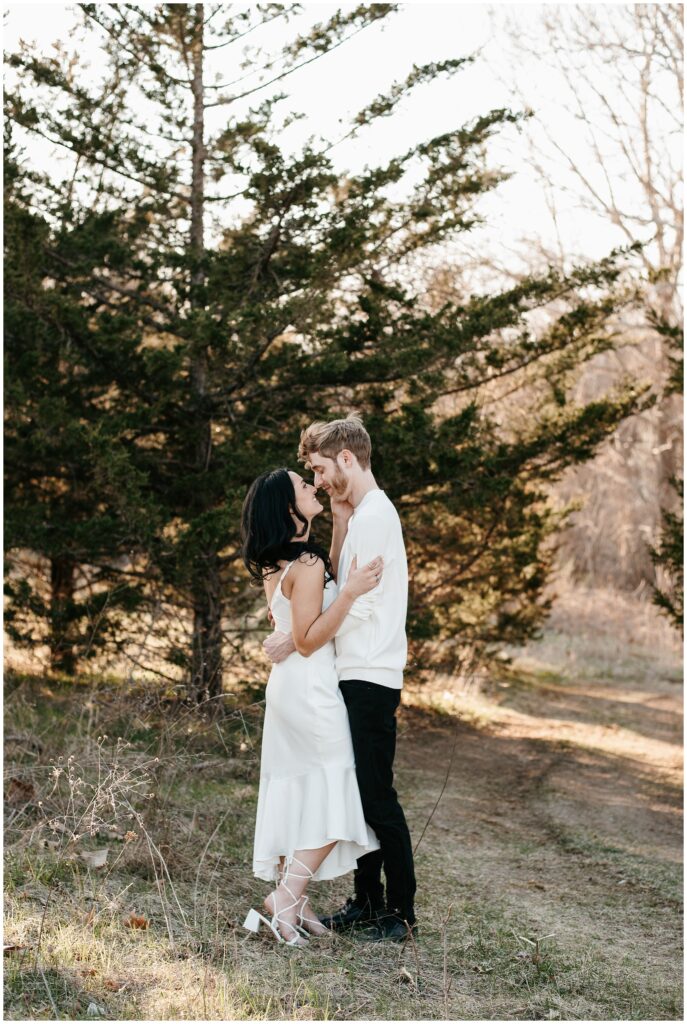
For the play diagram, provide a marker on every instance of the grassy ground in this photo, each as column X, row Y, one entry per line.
column 549, row 872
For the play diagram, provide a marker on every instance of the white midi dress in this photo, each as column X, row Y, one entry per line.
column 308, row 795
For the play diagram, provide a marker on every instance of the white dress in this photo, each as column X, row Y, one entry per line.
column 308, row 793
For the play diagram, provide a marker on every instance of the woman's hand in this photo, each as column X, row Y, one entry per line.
column 361, row 581
column 342, row 510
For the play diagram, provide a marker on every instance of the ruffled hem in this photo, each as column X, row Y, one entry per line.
column 306, row 812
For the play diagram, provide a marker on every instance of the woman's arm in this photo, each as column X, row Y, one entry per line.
column 311, row 627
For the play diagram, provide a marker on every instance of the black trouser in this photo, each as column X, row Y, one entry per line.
column 372, row 714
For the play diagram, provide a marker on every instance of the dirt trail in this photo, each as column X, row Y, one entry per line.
column 605, row 758
column 562, row 813
column 586, row 730
column 547, row 765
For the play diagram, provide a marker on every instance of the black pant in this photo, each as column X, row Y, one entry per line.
column 372, row 714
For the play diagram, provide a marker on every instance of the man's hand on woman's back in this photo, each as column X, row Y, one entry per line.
column 278, row 646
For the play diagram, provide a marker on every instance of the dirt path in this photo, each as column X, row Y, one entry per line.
column 562, row 814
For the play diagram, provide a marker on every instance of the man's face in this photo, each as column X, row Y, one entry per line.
column 329, row 474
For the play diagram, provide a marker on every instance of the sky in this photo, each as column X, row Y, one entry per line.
column 333, row 89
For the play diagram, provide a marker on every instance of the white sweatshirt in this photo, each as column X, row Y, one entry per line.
column 371, row 641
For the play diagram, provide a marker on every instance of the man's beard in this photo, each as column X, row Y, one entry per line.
column 339, row 485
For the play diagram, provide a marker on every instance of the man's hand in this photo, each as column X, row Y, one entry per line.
column 278, row 646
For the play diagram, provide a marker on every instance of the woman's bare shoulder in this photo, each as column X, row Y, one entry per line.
column 308, row 564
column 308, row 570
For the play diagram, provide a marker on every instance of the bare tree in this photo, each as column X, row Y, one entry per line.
column 604, row 144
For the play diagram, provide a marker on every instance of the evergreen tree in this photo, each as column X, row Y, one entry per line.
column 55, row 396
column 669, row 553
column 216, row 353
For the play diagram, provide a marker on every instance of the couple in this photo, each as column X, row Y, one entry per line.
column 326, row 801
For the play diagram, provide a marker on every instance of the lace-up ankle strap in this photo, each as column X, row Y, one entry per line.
column 294, row 874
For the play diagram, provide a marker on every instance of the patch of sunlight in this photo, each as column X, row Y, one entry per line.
column 609, row 739
column 483, row 713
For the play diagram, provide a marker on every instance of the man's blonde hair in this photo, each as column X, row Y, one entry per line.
column 331, row 438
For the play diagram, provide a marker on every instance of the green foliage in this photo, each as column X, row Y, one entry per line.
column 669, row 552
column 154, row 374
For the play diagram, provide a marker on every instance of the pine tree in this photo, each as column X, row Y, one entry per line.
column 55, row 394
column 218, row 352
column 669, row 553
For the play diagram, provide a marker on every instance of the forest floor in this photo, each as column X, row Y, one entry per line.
column 549, row 872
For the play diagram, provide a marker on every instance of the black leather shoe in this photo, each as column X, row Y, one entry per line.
column 352, row 914
column 390, row 928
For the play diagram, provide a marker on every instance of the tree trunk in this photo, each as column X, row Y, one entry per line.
column 207, row 630
column 62, row 654
column 206, row 658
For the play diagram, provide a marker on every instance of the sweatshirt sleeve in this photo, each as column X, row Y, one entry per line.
column 371, row 537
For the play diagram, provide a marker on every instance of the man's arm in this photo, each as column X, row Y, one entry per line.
column 278, row 646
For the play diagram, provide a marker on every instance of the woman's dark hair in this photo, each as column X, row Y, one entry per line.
column 268, row 533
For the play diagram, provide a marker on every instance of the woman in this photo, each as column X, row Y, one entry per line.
column 310, row 821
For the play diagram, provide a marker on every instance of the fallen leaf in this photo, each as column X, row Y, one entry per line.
column 135, row 921
column 87, row 972
column 19, row 792
column 113, row 985
column 95, row 858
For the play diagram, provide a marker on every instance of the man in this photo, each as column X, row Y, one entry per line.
column 371, row 650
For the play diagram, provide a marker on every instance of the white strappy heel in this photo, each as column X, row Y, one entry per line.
column 302, row 919
column 254, row 919
column 306, row 921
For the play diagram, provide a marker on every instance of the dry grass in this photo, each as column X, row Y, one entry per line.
column 559, row 816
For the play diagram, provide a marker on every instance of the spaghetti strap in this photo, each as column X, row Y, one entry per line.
column 288, row 566
column 278, row 589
